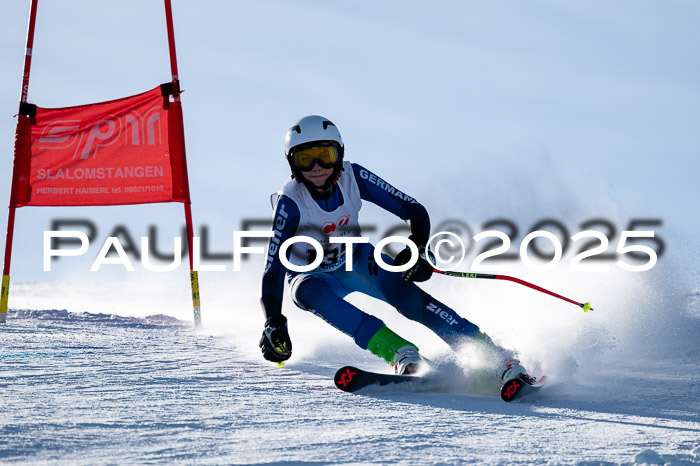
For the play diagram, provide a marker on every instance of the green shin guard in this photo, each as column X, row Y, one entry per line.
column 384, row 344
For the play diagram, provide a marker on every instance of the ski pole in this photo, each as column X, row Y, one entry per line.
column 585, row 306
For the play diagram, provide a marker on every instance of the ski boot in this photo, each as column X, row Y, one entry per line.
column 407, row 361
column 400, row 353
column 513, row 370
column 517, row 382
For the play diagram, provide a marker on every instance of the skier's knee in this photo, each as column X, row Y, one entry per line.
column 305, row 290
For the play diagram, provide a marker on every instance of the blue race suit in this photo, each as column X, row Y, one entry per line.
column 322, row 293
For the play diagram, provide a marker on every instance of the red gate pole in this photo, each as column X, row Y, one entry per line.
column 194, row 279
column 5, row 291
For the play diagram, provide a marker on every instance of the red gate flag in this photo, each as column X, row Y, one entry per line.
column 125, row 151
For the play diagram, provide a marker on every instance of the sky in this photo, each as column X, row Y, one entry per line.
column 521, row 111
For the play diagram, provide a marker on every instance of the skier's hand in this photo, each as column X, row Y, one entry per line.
column 421, row 270
column 275, row 343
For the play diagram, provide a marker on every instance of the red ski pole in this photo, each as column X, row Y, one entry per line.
column 585, row 306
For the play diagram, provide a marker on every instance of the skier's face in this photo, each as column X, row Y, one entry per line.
column 317, row 175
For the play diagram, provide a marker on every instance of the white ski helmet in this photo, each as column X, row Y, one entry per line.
column 310, row 131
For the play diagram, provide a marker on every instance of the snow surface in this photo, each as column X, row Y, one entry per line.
column 90, row 388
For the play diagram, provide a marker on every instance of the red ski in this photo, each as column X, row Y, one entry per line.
column 519, row 386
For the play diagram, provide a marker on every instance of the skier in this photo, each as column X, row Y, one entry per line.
column 322, row 201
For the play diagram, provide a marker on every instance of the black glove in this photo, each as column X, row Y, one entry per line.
column 275, row 343
column 421, row 270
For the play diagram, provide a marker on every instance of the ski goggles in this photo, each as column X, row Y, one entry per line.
column 304, row 159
